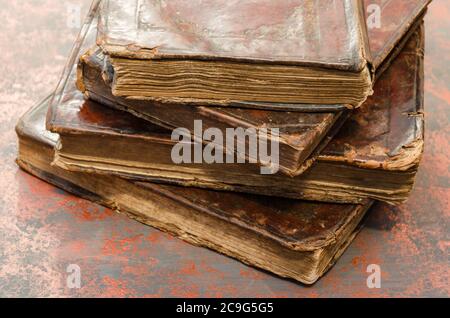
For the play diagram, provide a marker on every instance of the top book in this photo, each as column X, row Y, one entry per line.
column 245, row 52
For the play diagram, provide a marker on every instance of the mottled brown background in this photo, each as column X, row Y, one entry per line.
column 43, row 229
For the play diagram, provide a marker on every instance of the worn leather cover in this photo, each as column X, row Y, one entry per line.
column 308, row 51
column 302, row 134
column 389, row 132
column 314, row 38
column 397, row 18
column 374, row 136
column 299, row 231
column 385, row 135
column 287, row 220
column 303, row 32
column 320, row 37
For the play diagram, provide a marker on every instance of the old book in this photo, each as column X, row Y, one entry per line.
column 291, row 238
column 247, row 52
column 376, row 154
column 302, row 135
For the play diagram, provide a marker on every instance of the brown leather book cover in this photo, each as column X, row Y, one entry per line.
column 376, row 154
column 291, row 238
column 302, row 134
column 221, row 52
column 396, row 18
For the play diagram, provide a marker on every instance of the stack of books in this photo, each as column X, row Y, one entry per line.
column 261, row 129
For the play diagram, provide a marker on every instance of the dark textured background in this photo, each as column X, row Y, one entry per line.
column 43, row 229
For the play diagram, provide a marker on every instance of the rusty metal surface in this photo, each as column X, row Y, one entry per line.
column 43, row 229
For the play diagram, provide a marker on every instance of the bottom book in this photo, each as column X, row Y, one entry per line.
column 295, row 239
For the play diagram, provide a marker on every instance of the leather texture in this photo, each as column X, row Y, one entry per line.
column 305, row 32
column 396, row 18
column 380, row 161
column 302, row 134
column 375, row 135
column 295, row 224
column 379, row 136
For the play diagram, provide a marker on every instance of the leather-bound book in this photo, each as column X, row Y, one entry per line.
column 302, row 135
column 376, row 153
column 304, row 129
column 251, row 52
column 292, row 238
